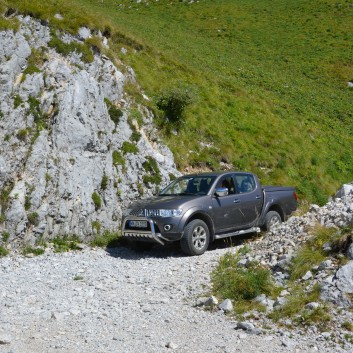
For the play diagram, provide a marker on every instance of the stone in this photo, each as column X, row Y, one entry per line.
column 5, row 338
column 307, row 276
column 312, row 306
column 350, row 251
column 226, row 306
column 171, row 345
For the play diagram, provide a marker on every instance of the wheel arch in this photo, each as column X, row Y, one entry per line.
column 278, row 209
column 203, row 217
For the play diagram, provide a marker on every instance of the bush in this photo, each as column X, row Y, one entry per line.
column 129, row 147
column 33, row 218
column 114, row 113
column 174, row 101
column 104, row 182
column 3, row 251
column 96, row 200
column 154, row 175
column 17, row 101
column 118, row 159
column 230, row 280
column 108, row 239
column 5, row 236
column 65, row 244
column 35, row 251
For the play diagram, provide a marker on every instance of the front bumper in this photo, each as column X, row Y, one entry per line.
column 152, row 232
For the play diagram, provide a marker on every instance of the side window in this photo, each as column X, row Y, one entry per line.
column 245, row 183
column 227, row 182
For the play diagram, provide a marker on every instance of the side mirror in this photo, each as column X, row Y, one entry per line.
column 220, row 192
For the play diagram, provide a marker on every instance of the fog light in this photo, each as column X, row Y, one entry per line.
column 167, row 227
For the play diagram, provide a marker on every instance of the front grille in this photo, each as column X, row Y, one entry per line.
column 137, row 212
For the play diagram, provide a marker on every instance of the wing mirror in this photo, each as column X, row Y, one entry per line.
column 220, row 192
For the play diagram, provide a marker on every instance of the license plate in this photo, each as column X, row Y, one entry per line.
column 138, row 224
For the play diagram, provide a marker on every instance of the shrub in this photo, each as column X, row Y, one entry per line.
column 5, row 236
column 35, row 251
column 22, row 134
column 65, row 244
column 154, row 175
column 96, row 226
column 33, row 218
column 230, row 280
column 114, row 113
column 174, row 101
column 3, row 251
column 96, row 200
column 118, row 159
column 67, row 48
column 108, row 239
column 104, row 182
column 17, row 101
column 129, row 147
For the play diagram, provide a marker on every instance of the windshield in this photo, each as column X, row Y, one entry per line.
column 197, row 185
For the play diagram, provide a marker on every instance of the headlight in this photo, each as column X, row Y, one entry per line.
column 164, row 213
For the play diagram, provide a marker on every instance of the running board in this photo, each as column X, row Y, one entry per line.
column 239, row 232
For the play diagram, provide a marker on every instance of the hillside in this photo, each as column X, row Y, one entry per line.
column 269, row 81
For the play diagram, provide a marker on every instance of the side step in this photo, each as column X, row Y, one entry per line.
column 239, row 232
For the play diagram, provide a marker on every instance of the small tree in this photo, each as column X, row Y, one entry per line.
column 174, row 101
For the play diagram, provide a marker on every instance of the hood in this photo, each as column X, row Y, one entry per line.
column 167, row 202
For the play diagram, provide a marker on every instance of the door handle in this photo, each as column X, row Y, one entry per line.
column 258, row 197
column 236, row 201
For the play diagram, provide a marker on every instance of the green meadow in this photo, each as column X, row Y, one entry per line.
column 268, row 80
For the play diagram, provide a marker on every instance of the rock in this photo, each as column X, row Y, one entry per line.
column 248, row 327
column 350, row 252
column 280, row 301
column 5, row 338
column 307, row 276
column 344, row 277
column 171, row 345
column 226, row 306
column 312, row 306
column 211, row 301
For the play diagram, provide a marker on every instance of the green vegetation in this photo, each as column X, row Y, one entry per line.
column 295, row 308
column 114, row 112
column 5, row 237
column 173, row 103
column 34, row 251
column 312, row 252
column 96, row 226
column 68, row 48
column 4, row 200
column 270, row 79
column 107, row 240
column 66, row 243
column 129, row 147
column 96, row 200
column 23, row 133
column 153, row 174
column 78, row 278
column 233, row 281
column 118, row 159
column 3, row 251
column 17, row 101
column 33, row 218
column 104, row 182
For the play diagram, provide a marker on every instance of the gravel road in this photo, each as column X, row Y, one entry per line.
column 121, row 301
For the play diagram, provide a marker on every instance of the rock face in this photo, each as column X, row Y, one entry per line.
column 67, row 165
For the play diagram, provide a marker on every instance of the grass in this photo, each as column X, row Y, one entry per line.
column 107, row 240
column 65, row 243
column 312, row 254
column 3, row 251
column 233, row 281
column 269, row 79
column 34, row 251
column 96, row 200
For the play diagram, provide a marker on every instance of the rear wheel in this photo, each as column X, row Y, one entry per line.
column 196, row 238
column 272, row 219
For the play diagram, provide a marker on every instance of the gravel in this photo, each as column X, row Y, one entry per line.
column 121, row 301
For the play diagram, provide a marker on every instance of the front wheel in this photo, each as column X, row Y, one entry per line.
column 272, row 219
column 196, row 238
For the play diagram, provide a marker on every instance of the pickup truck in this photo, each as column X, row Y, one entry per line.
column 197, row 209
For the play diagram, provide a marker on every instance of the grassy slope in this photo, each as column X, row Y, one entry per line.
column 270, row 77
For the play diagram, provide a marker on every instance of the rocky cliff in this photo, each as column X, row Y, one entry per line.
column 74, row 147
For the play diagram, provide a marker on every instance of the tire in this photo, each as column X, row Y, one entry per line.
column 272, row 218
column 196, row 238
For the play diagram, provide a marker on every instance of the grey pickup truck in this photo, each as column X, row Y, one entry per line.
column 199, row 208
